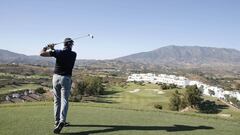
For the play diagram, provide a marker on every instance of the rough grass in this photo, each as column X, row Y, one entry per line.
column 12, row 88
column 17, row 76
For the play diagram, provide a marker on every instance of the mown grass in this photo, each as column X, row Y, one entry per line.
column 143, row 99
column 146, row 98
column 37, row 119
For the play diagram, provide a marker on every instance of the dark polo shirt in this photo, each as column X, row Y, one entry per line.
column 65, row 60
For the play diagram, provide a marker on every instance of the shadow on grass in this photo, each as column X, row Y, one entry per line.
column 98, row 99
column 211, row 107
column 222, row 107
column 104, row 101
column 112, row 128
column 110, row 92
column 105, row 97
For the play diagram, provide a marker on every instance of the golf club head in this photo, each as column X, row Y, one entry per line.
column 91, row 36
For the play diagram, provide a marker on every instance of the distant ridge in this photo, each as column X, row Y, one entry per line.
column 7, row 57
column 182, row 55
column 175, row 56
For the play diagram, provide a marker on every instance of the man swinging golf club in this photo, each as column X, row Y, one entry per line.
column 65, row 60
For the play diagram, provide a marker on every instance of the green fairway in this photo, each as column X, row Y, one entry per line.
column 37, row 119
column 144, row 98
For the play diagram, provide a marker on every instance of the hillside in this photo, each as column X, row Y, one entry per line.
column 162, row 59
column 186, row 55
column 7, row 57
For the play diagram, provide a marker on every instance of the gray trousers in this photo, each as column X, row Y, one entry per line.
column 61, row 91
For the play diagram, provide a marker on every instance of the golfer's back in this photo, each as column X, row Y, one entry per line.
column 65, row 60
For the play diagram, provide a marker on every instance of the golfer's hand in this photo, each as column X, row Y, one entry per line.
column 51, row 46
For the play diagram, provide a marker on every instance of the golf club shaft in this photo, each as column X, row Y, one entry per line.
column 83, row 36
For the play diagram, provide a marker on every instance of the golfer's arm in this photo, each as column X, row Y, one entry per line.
column 44, row 53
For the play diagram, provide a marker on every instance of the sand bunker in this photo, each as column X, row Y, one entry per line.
column 157, row 91
column 134, row 91
column 154, row 90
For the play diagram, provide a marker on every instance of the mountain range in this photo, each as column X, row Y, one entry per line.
column 8, row 57
column 186, row 55
column 168, row 55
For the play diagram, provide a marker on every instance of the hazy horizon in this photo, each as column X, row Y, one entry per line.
column 120, row 27
column 128, row 54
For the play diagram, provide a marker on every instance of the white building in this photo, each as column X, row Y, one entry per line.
column 7, row 98
column 172, row 79
column 142, row 77
column 162, row 78
column 15, row 95
column 183, row 82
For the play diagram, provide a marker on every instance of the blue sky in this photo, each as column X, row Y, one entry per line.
column 120, row 27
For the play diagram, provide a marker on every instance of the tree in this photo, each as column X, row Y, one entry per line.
column 175, row 101
column 172, row 86
column 164, row 86
column 78, row 91
column 94, row 86
column 208, row 107
column 183, row 103
column 89, row 86
column 211, row 92
column 193, row 96
column 235, row 101
column 81, row 87
column 40, row 90
column 227, row 97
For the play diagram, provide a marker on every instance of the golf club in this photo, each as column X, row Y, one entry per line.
column 83, row 36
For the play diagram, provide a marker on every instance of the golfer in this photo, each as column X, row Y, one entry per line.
column 62, row 82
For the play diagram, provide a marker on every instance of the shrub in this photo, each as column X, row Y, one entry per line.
column 168, row 86
column 227, row 97
column 235, row 101
column 175, row 101
column 1, row 86
column 158, row 106
column 183, row 103
column 89, row 86
column 164, row 86
column 139, row 83
column 172, row 86
column 211, row 92
column 193, row 96
column 208, row 107
column 40, row 90
column 77, row 98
